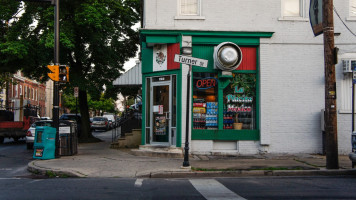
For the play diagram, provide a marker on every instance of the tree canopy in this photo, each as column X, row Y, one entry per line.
column 96, row 39
column 101, row 105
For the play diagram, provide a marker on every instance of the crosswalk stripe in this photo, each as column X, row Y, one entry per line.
column 138, row 182
column 212, row 189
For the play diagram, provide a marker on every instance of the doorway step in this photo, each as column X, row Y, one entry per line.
column 130, row 140
column 158, row 151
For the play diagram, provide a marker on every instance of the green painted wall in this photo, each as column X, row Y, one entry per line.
column 203, row 47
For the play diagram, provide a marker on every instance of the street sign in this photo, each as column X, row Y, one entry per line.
column 316, row 16
column 190, row 60
column 76, row 92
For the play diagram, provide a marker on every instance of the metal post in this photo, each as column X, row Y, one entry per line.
column 332, row 160
column 56, row 83
column 76, row 107
column 353, row 104
column 186, row 148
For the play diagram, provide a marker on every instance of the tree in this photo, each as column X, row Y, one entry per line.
column 8, row 11
column 96, row 39
column 103, row 104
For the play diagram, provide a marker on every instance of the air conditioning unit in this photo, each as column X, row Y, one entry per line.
column 348, row 65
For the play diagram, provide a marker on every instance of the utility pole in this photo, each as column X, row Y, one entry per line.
column 56, row 83
column 332, row 160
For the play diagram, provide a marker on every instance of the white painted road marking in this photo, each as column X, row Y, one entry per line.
column 138, row 182
column 5, row 169
column 10, row 178
column 212, row 189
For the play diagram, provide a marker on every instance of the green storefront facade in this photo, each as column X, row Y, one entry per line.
column 223, row 106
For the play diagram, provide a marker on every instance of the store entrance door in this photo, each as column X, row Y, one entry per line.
column 161, row 115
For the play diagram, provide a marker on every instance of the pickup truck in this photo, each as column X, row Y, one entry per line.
column 15, row 130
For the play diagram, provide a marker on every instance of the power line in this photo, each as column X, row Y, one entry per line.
column 344, row 22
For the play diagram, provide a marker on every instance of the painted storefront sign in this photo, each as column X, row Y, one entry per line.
column 237, row 99
column 163, row 57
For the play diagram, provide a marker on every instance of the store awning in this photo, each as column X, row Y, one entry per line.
column 132, row 77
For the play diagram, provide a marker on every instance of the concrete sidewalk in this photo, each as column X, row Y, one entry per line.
column 98, row 160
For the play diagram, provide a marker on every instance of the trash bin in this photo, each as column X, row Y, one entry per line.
column 45, row 143
column 68, row 140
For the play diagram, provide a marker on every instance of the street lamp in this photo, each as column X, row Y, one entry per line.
column 187, row 51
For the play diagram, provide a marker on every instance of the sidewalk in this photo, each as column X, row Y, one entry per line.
column 98, row 160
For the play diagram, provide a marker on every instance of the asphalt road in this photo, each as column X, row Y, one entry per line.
column 220, row 188
column 17, row 183
column 14, row 158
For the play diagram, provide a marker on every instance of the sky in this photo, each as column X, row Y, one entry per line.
column 132, row 62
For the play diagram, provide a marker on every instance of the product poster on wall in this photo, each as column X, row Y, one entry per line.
column 160, row 125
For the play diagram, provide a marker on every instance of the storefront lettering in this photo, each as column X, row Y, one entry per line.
column 239, row 90
column 206, row 83
column 235, row 99
column 233, row 108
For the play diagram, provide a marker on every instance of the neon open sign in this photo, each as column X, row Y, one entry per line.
column 206, row 83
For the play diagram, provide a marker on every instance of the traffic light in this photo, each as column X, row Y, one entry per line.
column 63, row 73
column 55, row 72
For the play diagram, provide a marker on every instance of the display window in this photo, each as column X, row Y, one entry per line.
column 205, row 101
column 240, row 102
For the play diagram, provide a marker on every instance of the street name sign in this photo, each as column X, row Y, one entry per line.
column 190, row 60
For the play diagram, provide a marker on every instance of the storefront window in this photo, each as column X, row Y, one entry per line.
column 205, row 101
column 240, row 102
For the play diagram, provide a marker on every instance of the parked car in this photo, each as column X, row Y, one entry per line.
column 73, row 117
column 112, row 117
column 111, row 124
column 30, row 135
column 91, row 123
column 100, row 123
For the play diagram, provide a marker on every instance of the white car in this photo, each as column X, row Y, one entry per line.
column 30, row 135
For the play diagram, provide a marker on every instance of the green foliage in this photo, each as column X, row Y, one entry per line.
column 8, row 9
column 69, row 102
column 246, row 81
column 130, row 91
column 5, row 78
column 96, row 39
column 103, row 104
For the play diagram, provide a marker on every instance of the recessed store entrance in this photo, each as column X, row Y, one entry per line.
column 162, row 110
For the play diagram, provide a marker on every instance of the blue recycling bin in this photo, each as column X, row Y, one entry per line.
column 45, row 143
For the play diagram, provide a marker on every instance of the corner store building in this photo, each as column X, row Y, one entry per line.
column 279, row 53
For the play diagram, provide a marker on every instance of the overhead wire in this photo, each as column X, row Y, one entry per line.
column 344, row 22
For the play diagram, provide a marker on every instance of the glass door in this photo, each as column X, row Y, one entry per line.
column 161, row 113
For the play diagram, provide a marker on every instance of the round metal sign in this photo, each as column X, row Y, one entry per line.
column 227, row 56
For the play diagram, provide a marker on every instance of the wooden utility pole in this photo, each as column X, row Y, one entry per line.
column 332, row 160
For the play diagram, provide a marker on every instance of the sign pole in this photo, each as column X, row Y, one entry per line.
column 76, row 91
column 186, row 147
column 353, row 99
column 190, row 61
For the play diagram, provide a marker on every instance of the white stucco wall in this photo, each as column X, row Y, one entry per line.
column 291, row 70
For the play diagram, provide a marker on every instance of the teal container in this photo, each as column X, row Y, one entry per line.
column 45, row 143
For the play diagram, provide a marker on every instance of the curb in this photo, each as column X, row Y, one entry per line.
column 247, row 173
column 33, row 168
